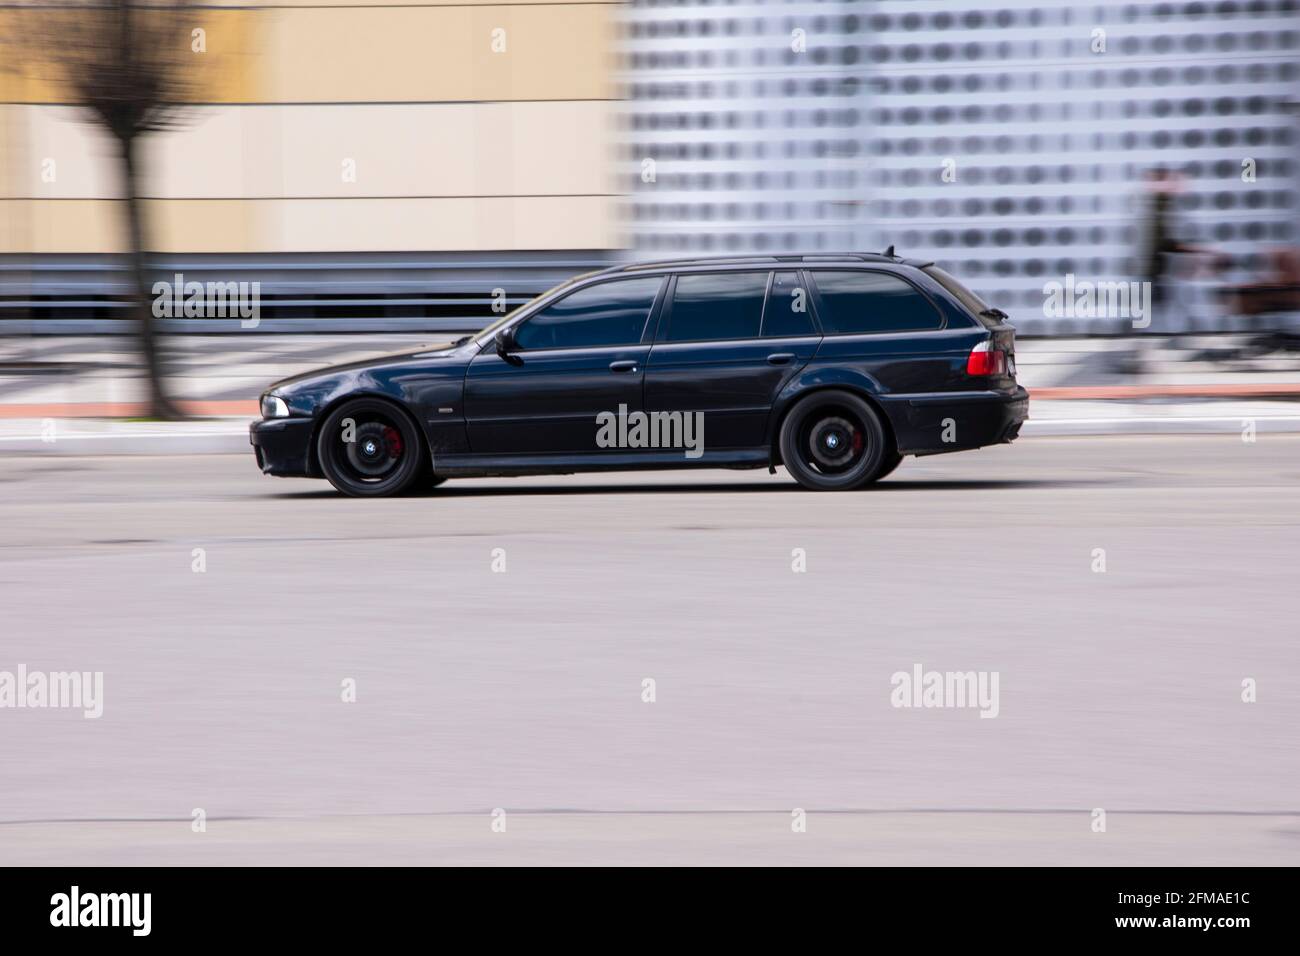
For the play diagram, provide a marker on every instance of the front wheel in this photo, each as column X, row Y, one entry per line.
column 834, row 441
column 369, row 448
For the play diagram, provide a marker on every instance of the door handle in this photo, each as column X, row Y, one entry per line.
column 780, row 358
column 623, row 365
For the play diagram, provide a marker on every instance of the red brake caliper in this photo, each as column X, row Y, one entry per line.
column 393, row 439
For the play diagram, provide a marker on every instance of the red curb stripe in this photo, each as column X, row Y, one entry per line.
column 1235, row 390
column 245, row 407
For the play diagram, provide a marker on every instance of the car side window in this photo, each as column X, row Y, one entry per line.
column 719, row 305
column 854, row 302
column 611, row 313
column 788, row 312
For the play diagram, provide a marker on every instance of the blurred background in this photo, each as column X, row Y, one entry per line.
column 384, row 167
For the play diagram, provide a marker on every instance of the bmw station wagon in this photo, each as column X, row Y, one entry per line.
column 835, row 366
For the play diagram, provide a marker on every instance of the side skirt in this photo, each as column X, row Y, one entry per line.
column 491, row 466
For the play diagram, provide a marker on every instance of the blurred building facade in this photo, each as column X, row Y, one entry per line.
column 1008, row 141
column 389, row 164
column 745, row 127
column 1053, row 113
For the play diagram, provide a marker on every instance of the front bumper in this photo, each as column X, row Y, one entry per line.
column 941, row 422
column 283, row 446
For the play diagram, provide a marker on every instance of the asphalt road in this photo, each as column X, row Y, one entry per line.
column 523, row 689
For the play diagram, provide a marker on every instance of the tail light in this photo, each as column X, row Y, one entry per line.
column 984, row 359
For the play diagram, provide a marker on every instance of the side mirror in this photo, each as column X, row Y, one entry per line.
column 506, row 344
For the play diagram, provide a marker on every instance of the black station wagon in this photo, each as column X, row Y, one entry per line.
column 835, row 366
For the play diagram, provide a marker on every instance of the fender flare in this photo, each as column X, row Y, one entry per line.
column 811, row 380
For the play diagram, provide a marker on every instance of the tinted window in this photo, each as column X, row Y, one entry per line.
column 973, row 303
column 612, row 313
column 871, row 302
column 719, row 306
column 788, row 311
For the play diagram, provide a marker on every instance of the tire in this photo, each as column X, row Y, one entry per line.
column 892, row 461
column 384, row 457
column 834, row 441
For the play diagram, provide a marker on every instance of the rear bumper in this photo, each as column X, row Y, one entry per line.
column 934, row 423
column 282, row 446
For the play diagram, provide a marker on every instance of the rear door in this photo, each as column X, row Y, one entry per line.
column 581, row 356
column 891, row 330
column 726, row 344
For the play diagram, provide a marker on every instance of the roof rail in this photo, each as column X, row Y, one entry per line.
column 758, row 259
column 692, row 260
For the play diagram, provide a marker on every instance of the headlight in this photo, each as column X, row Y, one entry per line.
column 274, row 407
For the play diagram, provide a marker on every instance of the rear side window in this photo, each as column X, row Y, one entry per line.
column 849, row 302
column 973, row 303
column 612, row 313
column 726, row 305
column 788, row 312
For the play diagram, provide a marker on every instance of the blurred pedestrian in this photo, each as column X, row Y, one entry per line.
column 1160, row 247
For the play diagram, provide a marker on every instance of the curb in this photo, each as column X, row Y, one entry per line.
column 209, row 442
column 1135, row 392
column 1140, row 425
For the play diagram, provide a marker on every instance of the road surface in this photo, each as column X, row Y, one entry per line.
column 524, row 689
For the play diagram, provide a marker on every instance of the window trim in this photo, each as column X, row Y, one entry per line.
column 815, row 326
column 651, row 315
column 941, row 314
column 666, row 313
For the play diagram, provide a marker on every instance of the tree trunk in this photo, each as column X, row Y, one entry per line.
column 160, row 403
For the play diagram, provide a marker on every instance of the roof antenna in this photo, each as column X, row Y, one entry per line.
column 889, row 253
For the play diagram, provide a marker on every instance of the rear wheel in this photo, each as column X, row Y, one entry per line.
column 834, row 441
column 369, row 448
column 892, row 461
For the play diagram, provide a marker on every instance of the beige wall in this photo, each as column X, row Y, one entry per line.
column 238, row 152
column 315, row 225
column 454, row 147
column 441, row 53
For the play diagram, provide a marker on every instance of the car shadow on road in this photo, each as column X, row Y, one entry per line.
column 456, row 489
column 987, row 484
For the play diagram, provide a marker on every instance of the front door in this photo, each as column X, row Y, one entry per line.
column 581, row 356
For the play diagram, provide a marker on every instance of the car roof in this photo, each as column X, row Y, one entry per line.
column 819, row 258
